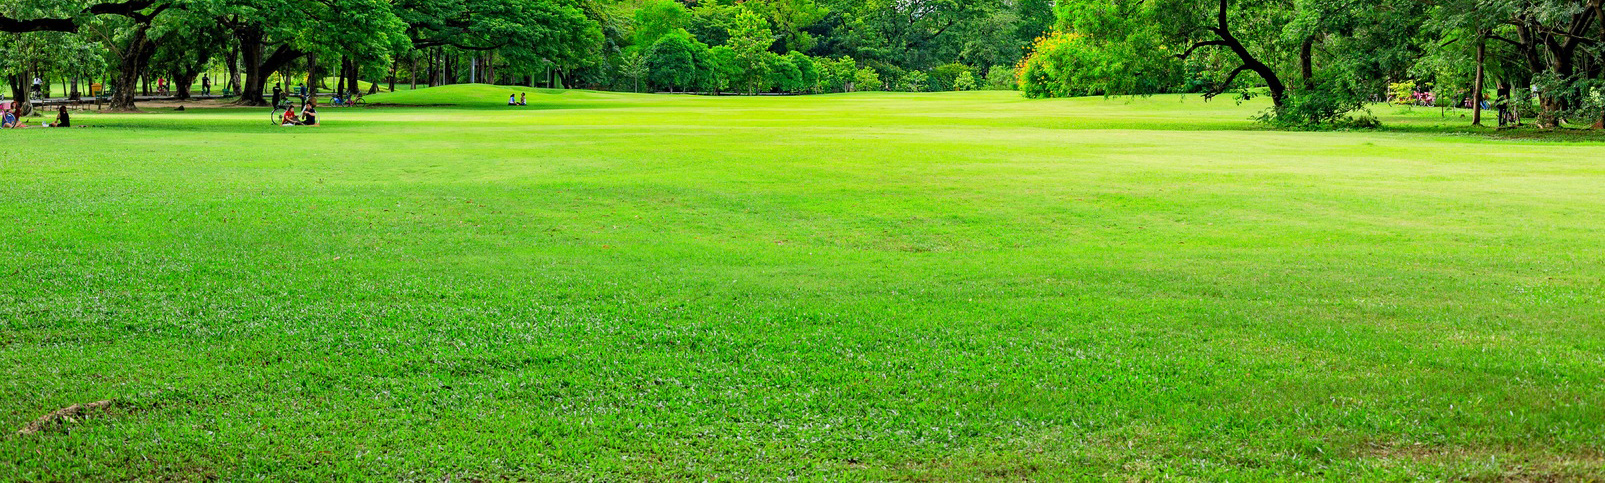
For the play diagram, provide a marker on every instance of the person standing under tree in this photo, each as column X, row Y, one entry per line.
column 278, row 93
column 206, row 84
column 1503, row 102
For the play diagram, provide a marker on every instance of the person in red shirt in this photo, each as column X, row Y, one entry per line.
column 289, row 118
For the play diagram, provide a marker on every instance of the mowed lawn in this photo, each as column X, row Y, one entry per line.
column 871, row 286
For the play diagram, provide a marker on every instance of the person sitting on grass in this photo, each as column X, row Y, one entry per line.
column 521, row 100
column 62, row 119
column 10, row 121
column 309, row 114
column 289, row 118
column 512, row 100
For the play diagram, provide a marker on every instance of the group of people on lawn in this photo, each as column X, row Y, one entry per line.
column 308, row 117
column 9, row 119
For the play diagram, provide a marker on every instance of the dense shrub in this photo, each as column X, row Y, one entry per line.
column 965, row 82
column 1069, row 64
column 784, row 76
column 867, row 79
column 1060, row 65
column 942, row 77
column 915, row 81
column 1001, row 78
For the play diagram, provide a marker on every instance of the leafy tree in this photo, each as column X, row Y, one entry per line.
column 789, row 19
column 943, row 77
column 634, row 67
column 808, row 68
column 658, row 18
column 750, row 38
column 784, row 75
column 671, row 61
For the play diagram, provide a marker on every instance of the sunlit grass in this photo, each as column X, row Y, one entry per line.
column 856, row 286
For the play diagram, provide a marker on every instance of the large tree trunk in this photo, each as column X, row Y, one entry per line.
column 183, row 81
column 312, row 75
column 132, row 61
column 1306, row 62
column 233, row 59
column 433, row 60
column 258, row 69
column 490, row 68
column 22, row 93
column 1476, row 83
column 395, row 67
column 340, row 85
column 356, row 76
column 255, row 76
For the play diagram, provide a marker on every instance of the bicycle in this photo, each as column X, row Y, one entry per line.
column 353, row 99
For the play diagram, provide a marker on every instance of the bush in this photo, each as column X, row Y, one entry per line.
column 1001, row 78
column 866, row 79
column 944, row 77
column 809, row 68
column 1402, row 93
column 1327, row 106
column 784, row 75
column 1059, row 66
column 965, row 82
column 915, row 81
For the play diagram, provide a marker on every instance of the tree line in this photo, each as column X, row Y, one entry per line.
column 734, row 46
column 1322, row 62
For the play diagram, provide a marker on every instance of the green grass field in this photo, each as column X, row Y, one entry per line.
column 954, row 286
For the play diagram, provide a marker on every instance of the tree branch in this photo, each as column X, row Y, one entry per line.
column 1221, row 89
column 1199, row 45
column 129, row 8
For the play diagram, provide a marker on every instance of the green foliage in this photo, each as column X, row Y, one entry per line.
column 965, row 82
column 658, row 18
column 750, row 38
column 1402, row 93
column 837, row 75
column 915, row 81
column 784, row 76
column 867, row 79
column 943, row 77
column 1001, row 78
column 808, row 70
column 673, row 61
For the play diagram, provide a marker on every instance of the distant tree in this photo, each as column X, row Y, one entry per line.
column 658, row 18
column 634, row 66
column 808, row 68
column 789, row 19
column 784, row 75
column 750, row 38
column 672, row 61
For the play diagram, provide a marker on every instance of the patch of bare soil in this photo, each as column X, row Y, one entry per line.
column 64, row 414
